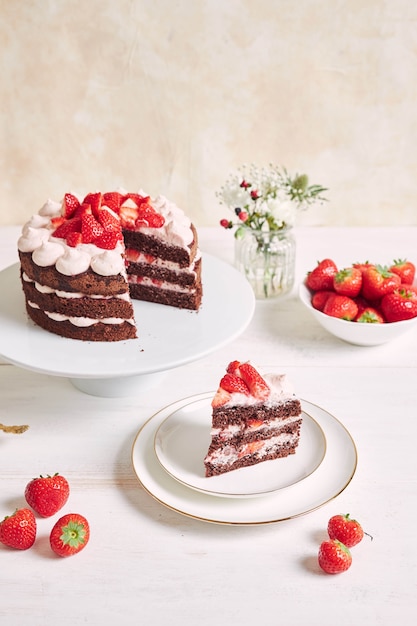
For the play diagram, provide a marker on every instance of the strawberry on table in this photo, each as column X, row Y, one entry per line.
column 405, row 270
column 400, row 305
column 321, row 277
column 345, row 529
column 342, row 307
column 69, row 535
column 47, row 494
column 334, row 557
column 18, row 530
column 378, row 281
column 348, row 281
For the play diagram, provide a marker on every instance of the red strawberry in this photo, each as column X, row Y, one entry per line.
column 94, row 200
column 234, row 384
column 47, row 494
column 57, row 221
column 319, row 299
column 73, row 239
column 405, row 270
column 363, row 266
column 108, row 220
column 348, row 282
column 137, row 198
column 112, row 199
column 378, row 281
column 69, row 226
column 19, row 529
column 128, row 216
column 108, row 240
column 257, row 386
column 346, row 530
column 334, row 557
column 221, row 397
column 71, row 204
column 233, row 367
column 341, row 307
column 90, row 228
column 322, row 276
column 150, row 220
column 69, row 535
column 369, row 315
column 400, row 305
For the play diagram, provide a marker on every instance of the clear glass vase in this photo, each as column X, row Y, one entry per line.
column 267, row 259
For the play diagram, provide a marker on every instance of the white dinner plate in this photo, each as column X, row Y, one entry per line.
column 183, row 438
column 167, row 337
column 330, row 478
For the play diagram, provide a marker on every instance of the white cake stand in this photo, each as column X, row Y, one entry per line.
column 167, row 337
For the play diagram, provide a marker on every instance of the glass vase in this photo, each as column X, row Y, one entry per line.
column 267, row 259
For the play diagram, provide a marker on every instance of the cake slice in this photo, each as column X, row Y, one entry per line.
column 162, row 253
column 254, row 419
column 73, row 270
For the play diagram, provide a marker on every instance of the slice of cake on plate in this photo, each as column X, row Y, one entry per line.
column 254, row 419
column 83, row 260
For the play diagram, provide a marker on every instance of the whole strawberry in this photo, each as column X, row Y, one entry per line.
column 342, row 307
column 69, row 535
column 334, row 557
column 377, row 281
column 400, row 305
column 321, row 277
column 18, row 530
column 346, row 530
column 47, row 494
column 405, row 270
column 348, row 281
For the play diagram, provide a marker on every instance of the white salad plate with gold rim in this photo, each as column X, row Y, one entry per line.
column 183, row 438
column 331, row 476
column 167, row 337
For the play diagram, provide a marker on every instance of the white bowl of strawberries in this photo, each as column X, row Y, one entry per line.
column 364, row 304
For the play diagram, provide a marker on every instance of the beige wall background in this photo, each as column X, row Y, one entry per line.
column 171, row 95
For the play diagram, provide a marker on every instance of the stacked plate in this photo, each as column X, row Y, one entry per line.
column 169, row 450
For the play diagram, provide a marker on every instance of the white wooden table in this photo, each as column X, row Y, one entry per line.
column 146, row 564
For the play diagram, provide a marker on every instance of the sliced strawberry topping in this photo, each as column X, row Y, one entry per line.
column 128, row 217
column 108, row 240
column 233, row 367
column 113, row 200
column 222, row 397
column 257, row 385
column 94, row 200
column 108, row 220
column 57, row 221
column 234, row 384
column 91, row 229
column 71, row 204
column 74, row 238
column 69, row 226
column 136, row 197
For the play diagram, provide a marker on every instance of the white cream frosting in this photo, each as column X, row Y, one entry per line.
column 82, row 322
column 73, row 262
column 37, row 238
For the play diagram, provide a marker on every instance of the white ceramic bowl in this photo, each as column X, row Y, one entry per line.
column 353, row 332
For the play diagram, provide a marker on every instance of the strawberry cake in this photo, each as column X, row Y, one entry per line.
column 82, row 260
column 254, row 419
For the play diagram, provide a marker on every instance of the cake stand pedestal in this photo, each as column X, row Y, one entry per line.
column 118, row 387
column 167, row 337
